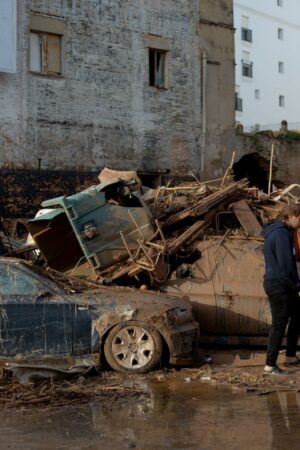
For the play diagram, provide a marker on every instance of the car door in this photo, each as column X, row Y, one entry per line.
column 35, row 321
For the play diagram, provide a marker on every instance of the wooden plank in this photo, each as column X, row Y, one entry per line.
column 187, row 235
column 205, row 204
column 246, row 218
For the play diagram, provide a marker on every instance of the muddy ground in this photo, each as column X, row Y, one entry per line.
column 228, row 404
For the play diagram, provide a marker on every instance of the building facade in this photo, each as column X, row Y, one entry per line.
column 118, row 83
column 267, row 66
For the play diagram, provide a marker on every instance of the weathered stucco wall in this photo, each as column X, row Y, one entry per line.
column 286, row 166
column 217, row 39
column 103, row 111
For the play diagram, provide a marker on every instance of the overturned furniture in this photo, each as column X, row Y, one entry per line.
column 82, row 234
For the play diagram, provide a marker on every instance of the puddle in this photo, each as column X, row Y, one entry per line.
column 172, row 414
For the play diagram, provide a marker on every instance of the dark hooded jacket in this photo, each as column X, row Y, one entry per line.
column 279, row 254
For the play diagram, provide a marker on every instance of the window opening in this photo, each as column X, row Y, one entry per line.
column 45, row 53
column 280, row 33
column 157, row 68
column 246, row 35
column 247, row 69
column 238, row 102
column 280, row 67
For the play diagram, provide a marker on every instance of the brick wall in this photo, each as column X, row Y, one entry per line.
column 23, row 191
column 103, row 111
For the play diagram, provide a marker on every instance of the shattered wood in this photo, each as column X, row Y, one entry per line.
column 60, row 393
column 181, row 214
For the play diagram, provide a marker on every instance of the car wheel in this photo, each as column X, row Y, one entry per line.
column 133, row 347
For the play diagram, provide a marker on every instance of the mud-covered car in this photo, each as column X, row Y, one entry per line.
column 43, row 325
column 225, row 287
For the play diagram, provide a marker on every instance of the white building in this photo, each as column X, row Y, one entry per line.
column 267, row 52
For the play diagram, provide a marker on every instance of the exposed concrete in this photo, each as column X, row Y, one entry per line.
column 217, row 39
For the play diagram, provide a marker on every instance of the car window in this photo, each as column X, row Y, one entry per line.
column 14, row 281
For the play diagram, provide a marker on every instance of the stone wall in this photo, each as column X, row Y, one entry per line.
column 286, row 167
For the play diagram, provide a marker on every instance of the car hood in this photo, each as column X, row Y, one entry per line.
column 154, row 301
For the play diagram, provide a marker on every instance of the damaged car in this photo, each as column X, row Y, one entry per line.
column 45, row 324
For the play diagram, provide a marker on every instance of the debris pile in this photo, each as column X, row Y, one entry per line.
column 60, row 393
column 186, row 213
column 121, row 233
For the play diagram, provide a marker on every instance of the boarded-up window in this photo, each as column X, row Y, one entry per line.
column 157, row 68
column 45, row 53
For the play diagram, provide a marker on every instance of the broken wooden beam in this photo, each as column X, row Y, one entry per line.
column 246, row 218
column 205, row 204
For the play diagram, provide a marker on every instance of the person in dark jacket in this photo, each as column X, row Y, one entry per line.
column 281, row 284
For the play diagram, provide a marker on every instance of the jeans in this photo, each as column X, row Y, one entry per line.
column 285, row 309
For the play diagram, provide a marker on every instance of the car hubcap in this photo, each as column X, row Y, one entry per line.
column 133, row 347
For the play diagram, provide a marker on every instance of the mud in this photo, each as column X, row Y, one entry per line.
column 207, row 408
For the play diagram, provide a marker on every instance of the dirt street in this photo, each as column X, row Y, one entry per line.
column 229, row 406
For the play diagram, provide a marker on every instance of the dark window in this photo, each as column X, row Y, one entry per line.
column 246, row 35
column 247, row 69
column 157, row 68
column 281, row 101
column 238, row 103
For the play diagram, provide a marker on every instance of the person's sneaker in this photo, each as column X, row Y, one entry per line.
column 268, row 370
column 292, row 361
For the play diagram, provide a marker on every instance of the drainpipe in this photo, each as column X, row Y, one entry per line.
column 203, row 92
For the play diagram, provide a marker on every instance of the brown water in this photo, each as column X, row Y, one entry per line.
column 174, row 414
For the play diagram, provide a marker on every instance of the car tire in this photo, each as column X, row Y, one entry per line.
column 133, row 347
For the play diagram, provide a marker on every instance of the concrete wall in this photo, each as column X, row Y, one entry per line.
column 217, row 40
column 102, row 110
column 266, row 50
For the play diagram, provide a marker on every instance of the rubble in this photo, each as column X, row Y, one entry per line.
column 112, row 234
column 196, row 239
column 51, row 393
